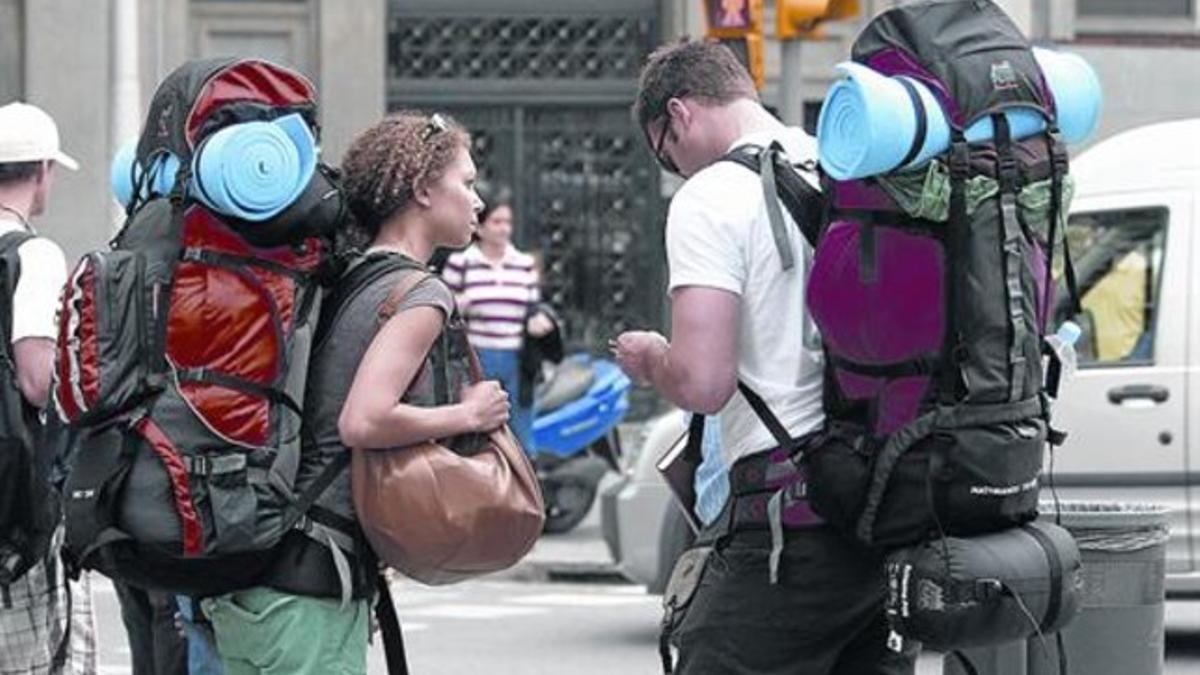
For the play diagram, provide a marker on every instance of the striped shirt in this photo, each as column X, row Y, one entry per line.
column 495, row 297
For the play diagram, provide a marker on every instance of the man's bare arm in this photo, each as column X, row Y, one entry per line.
column 698, row 371
column 34, row 358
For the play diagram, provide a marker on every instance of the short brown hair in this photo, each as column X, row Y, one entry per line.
column 386, row 162
column 14, row 172
column 705, row 70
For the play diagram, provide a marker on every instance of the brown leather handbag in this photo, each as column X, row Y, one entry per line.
column 439, row 516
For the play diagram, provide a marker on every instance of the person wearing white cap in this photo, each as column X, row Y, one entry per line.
column 34, row 635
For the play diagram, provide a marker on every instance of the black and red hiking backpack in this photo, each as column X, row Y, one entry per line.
column 183, row 353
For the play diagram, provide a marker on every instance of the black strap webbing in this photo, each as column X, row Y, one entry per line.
column 696, row 428
column 1058, row 157
column 778, row 431
column 236, row 262
column 922, row 365
column 922, row 124
column 305, row 501
column 389, row 628
column 1054, row 602
column 695, row 440
column 335, row 521
column 805, row 203
column 967, row 666
column 959, row 161
column 208, row 376
column 9, row 243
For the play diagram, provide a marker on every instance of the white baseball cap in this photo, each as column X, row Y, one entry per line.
column 28, row 134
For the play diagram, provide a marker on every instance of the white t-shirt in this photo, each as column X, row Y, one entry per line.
column 494, row 296
column 718, row 236
column 43, row 275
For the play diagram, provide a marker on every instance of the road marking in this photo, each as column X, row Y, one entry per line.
column 582, row 600
column 473, row 611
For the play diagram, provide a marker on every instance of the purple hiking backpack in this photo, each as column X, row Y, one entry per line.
column 932, row 304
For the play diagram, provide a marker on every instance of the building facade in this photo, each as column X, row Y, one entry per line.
column 544, row 84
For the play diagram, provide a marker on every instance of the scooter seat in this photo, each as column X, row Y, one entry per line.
column 571, row 380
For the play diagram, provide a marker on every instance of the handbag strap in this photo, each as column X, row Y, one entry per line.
column 392, row 304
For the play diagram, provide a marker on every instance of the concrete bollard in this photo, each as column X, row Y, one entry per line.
column 1119, row 629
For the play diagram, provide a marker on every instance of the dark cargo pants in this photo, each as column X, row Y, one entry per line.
column 824, row 617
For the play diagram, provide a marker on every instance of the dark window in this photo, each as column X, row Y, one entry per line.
column 1118, row 263
column 1136, row 8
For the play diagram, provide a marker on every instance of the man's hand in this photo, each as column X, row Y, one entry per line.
column 638, row 352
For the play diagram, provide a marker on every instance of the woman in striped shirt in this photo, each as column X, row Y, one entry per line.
column 497, row 289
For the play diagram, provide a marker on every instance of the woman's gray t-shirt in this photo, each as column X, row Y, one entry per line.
column 331, row 373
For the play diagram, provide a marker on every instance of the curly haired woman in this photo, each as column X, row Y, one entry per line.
column 409, row 180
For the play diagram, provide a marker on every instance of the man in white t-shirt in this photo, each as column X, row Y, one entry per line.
column 802, row 600
column 34, row 611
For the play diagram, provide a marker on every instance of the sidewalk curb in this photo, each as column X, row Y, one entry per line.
column 541, row 571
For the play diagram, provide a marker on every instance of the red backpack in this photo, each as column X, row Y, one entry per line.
column 182, row 356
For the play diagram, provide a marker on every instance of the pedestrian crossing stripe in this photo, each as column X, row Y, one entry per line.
column 584, row 600
column 457, row 611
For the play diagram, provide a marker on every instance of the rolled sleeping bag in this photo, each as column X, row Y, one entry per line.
column 987, row 590
column 317, row 211
column 868, row 121
column 125, row 172
column 254, row 170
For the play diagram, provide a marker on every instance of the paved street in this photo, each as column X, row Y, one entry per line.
column 526, row 624
column 531, row 628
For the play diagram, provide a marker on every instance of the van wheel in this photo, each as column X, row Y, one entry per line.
column 674, row 538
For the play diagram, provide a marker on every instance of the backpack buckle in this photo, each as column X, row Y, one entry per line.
column 988, row 589
column 198, row 465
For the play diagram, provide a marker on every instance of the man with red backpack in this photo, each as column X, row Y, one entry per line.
column 36, row 603
column 769, row 587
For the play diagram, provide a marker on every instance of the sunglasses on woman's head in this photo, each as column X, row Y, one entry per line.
column 435, row 125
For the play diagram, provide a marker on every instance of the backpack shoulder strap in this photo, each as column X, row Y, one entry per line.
column 357, row 278
column 805, row 203
column 11, row 261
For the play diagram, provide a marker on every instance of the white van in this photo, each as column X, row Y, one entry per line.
column 1127, row 410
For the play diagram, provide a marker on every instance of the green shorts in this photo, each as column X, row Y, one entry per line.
column 261, row 631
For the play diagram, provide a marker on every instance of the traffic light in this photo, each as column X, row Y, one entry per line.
column 738, row 24
column 801, row 18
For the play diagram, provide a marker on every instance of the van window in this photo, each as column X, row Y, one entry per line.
column 1118, row 259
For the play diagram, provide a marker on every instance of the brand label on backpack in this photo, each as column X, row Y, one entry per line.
column 1003, row 490
column 1004, row 76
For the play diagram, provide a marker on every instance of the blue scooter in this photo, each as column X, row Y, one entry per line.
column 576, row 413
